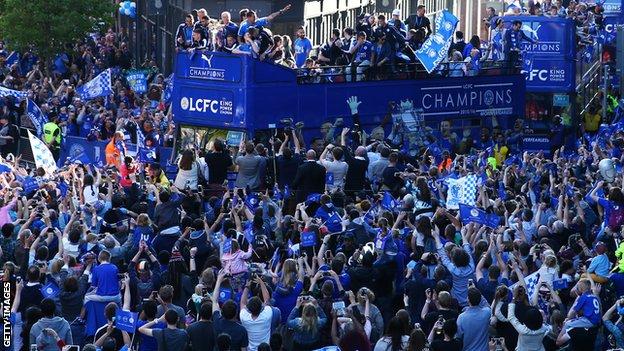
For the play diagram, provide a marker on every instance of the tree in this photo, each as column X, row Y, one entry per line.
column 49, row 25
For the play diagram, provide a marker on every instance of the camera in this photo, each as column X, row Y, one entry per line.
column 287, row 124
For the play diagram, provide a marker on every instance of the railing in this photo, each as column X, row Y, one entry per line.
column 352, row 73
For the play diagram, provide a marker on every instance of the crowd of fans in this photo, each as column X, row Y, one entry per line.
column 343, row 241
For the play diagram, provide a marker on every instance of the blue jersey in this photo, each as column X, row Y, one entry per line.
column 302, row 49
column 365, row 52
column 244, row 26
column 590, row 307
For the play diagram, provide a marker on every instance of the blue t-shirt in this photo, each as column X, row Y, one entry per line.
column 144, row 233
column 244, row 47
column 302, row 49
column 104, row 277
column 244, row 26
column 365, row 52
column 590, row 307
column 599, row 265
column 148, row 343
column 286, row 299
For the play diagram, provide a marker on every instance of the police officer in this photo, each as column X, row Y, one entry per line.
column 52, row 136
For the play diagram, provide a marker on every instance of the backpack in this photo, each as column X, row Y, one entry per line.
column 616, row 216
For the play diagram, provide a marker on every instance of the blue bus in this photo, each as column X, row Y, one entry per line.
column 224, row 95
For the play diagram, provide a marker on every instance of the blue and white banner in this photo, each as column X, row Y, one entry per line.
column 37, row 117
column 462, row 190
column 531, row 284
column 435, row 49
column 96, row 87
column 126, row 320
column 137, row 80
column 469, row 214
column 4, row 92
column 41, row 153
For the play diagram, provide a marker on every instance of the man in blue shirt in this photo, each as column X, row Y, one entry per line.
column 473, row 323
column 252, row 20
column 585, row 313
column 363, row 55
column 303, row 46
column 104, row 280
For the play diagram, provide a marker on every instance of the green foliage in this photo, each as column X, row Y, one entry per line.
column 49, row 25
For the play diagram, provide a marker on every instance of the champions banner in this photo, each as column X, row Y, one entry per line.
column 435, row 49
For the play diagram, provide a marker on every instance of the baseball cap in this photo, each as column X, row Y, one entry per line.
column 396, row 12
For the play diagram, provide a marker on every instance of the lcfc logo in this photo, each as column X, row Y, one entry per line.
column 474, row 212
column 184, row 103
column 199, row 105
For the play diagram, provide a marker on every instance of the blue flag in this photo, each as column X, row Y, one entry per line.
column 315, row 197
column 30, row 185
column 98, row 86
column 502, row 193
column 147, row 154
column 435, row 49
column 388, row 202
column 4, row 168
column 126, row 320
column 252, row 201
column 4, row 92
column 50, row 290
column 37, row 117
column 473, row 214
column 329, row 178
column 308, row 239
column 168, row 88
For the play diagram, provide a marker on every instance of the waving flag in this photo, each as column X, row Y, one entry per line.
column 168, row 89
column 388, row 202
column 37, row 117
column 4, row 92
column 29, row 184
column 473, row 214
column 126, row 320
column 43, row 155
column 315, row 197
column 531, row 284
column 96, row 87
column 251, row 201
column 436, row 47
column 462, row 190
column 50, row 290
